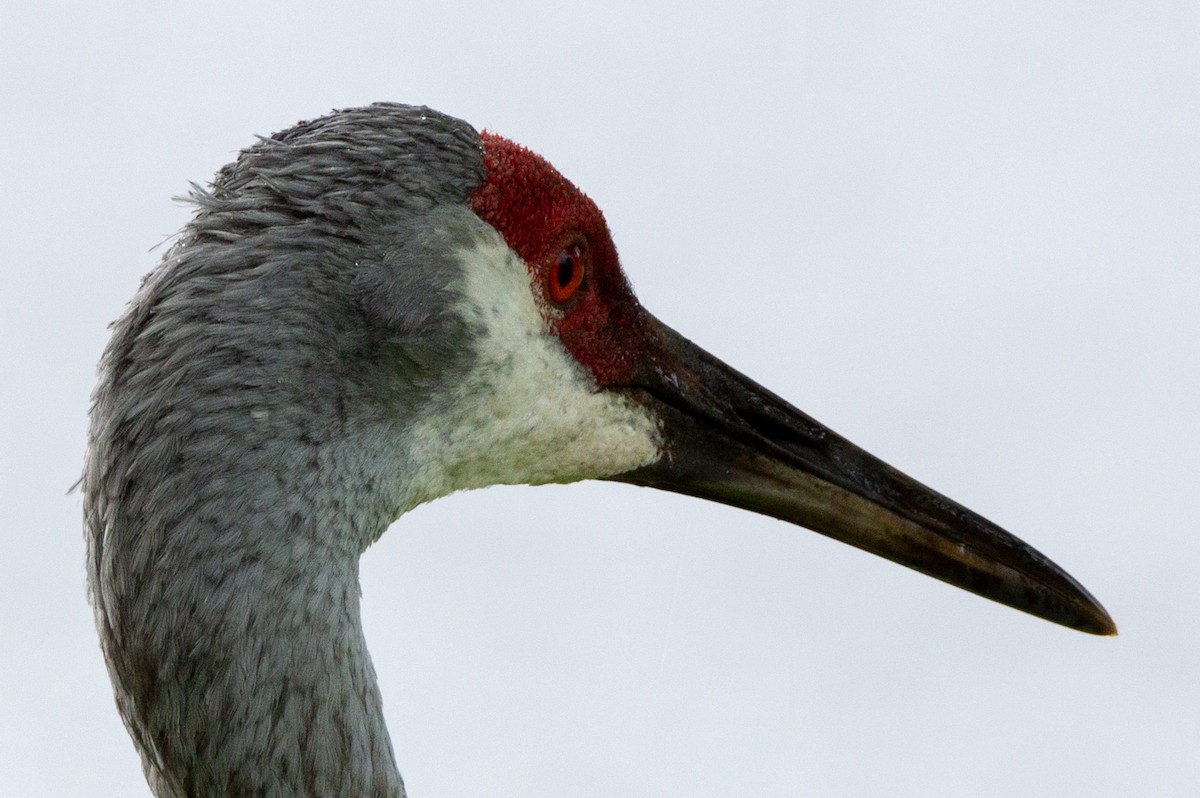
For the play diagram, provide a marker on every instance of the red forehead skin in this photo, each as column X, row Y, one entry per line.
column 538, row 212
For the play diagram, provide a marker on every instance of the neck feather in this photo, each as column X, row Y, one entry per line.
column 231, row 625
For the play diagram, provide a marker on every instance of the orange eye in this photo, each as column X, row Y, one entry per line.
column 567, row 275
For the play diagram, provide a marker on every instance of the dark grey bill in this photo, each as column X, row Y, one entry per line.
column 730, row 440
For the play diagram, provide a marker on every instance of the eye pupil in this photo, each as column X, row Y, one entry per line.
column 567, row 275
column 566, row 268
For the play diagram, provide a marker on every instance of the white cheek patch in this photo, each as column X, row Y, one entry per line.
column 528, row 412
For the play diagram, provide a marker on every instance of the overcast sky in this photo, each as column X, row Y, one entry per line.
column 967, row 240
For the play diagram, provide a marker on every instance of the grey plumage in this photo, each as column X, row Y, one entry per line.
column 254, row 391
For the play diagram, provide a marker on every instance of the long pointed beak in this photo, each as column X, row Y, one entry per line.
column 730, row 440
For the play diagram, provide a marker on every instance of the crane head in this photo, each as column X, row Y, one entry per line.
column 472, row 313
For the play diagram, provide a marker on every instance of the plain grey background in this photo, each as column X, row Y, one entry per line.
column 966, row 239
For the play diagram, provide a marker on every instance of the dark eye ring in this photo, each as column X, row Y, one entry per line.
column 567, row 274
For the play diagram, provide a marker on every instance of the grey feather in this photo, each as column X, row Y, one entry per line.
column 242, row 450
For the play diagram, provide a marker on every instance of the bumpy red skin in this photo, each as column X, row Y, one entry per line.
column 539, row 212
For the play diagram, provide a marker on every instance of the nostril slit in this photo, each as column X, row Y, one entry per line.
column 778, row 431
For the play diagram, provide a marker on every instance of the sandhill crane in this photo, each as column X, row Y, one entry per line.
column 369, row 311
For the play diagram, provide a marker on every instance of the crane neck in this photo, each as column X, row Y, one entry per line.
column 234, row 636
